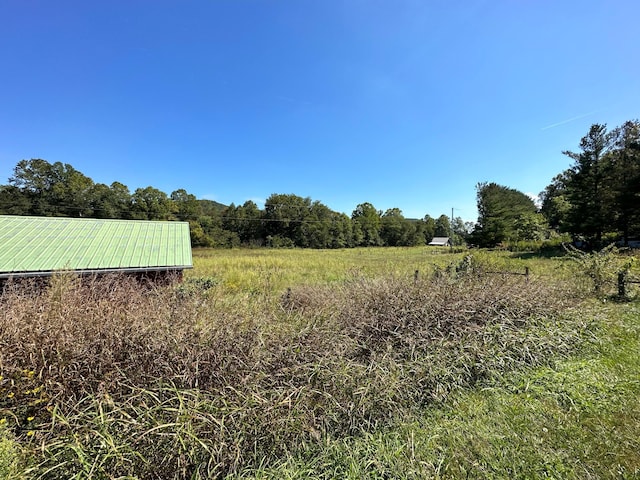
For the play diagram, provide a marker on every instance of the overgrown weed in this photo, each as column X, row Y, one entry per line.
column 187, row 382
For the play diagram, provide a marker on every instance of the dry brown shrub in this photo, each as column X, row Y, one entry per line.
column 87, row 336
column 193, row 383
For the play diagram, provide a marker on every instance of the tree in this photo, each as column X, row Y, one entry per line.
column 315, row 228
column 151, row 204
column 625, row 178
column 555, row 202
column 53, row 189
column 341, row 231
column 499, row 208
column 285, row 215
column 186, row 205
column 246, row 220
column 120, row 200
column 198, row 237
column 443, row 227
column 600, row 193
column 391, row 227
column 413, row 234
column 367, row 224
column 34, row 176
column 101, row 203
column 214, row 233
column 460, row 231
column 531, row 226
column 13, row 201
column 590, row 199
column 429, row 228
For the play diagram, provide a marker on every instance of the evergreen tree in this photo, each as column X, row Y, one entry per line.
column 588, row 193
column 625, row 178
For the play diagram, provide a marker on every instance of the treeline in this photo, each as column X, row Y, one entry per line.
column 596, row 200
column 598, row 197
column 40, row 188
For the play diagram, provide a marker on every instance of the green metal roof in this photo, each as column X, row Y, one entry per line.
column 41, row 245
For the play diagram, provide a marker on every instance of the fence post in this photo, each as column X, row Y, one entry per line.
column 622, row 277
column 526, row 274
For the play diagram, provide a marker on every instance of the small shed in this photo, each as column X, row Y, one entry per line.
column 440, row 242
column 40, row 246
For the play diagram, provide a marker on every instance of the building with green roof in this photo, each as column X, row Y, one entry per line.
column 40, row 246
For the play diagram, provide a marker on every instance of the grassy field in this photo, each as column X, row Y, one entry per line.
column 275, row 270
column 326, row 364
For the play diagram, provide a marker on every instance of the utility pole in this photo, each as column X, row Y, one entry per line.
column 451, row 230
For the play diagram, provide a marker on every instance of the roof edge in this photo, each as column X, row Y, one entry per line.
column 49, row 273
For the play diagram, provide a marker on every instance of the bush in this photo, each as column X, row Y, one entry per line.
column 9, row 456
column 601, row 266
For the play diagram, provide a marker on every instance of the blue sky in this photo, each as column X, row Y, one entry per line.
column 400, row 103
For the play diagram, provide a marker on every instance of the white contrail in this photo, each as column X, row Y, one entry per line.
column 568, row 120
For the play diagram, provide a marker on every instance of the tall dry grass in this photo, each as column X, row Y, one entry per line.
column 108, row 378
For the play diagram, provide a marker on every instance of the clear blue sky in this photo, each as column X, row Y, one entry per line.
column 400, row 103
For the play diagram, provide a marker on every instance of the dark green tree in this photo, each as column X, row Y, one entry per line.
column 341, row 231
column 214, row 233
column 101, row 202
column 555, row 202
column 392, row 227
column 443, row 226
column 624, row 180
column 285, row 215
column 151, row 204
column 413, row 234
column 429, row 228
column 53, row 189
column 246, row 221
column 589, row 197
column 499, row 209
column 13, row 201
column 316, row 229
column 110, row 201
column 186, row 205
column 35, row 177
column 120, row 200
column 366, row 225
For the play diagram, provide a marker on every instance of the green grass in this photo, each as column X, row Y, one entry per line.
column 242, row 269
column 274, row 270
column 576, row 419
column 9, row 455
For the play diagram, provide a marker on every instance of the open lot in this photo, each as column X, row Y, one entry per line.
column 325, row 364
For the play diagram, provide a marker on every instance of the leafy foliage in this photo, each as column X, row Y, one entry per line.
column 600, row 192
column 501, row 211
column 40, row 188
column 600, row 266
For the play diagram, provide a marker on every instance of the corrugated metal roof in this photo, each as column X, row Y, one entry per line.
column 439, row 241
column 45, row 244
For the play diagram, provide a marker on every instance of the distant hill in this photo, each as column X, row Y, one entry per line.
column 211, row 206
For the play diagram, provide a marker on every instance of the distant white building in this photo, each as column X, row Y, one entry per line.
column 440, row 242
